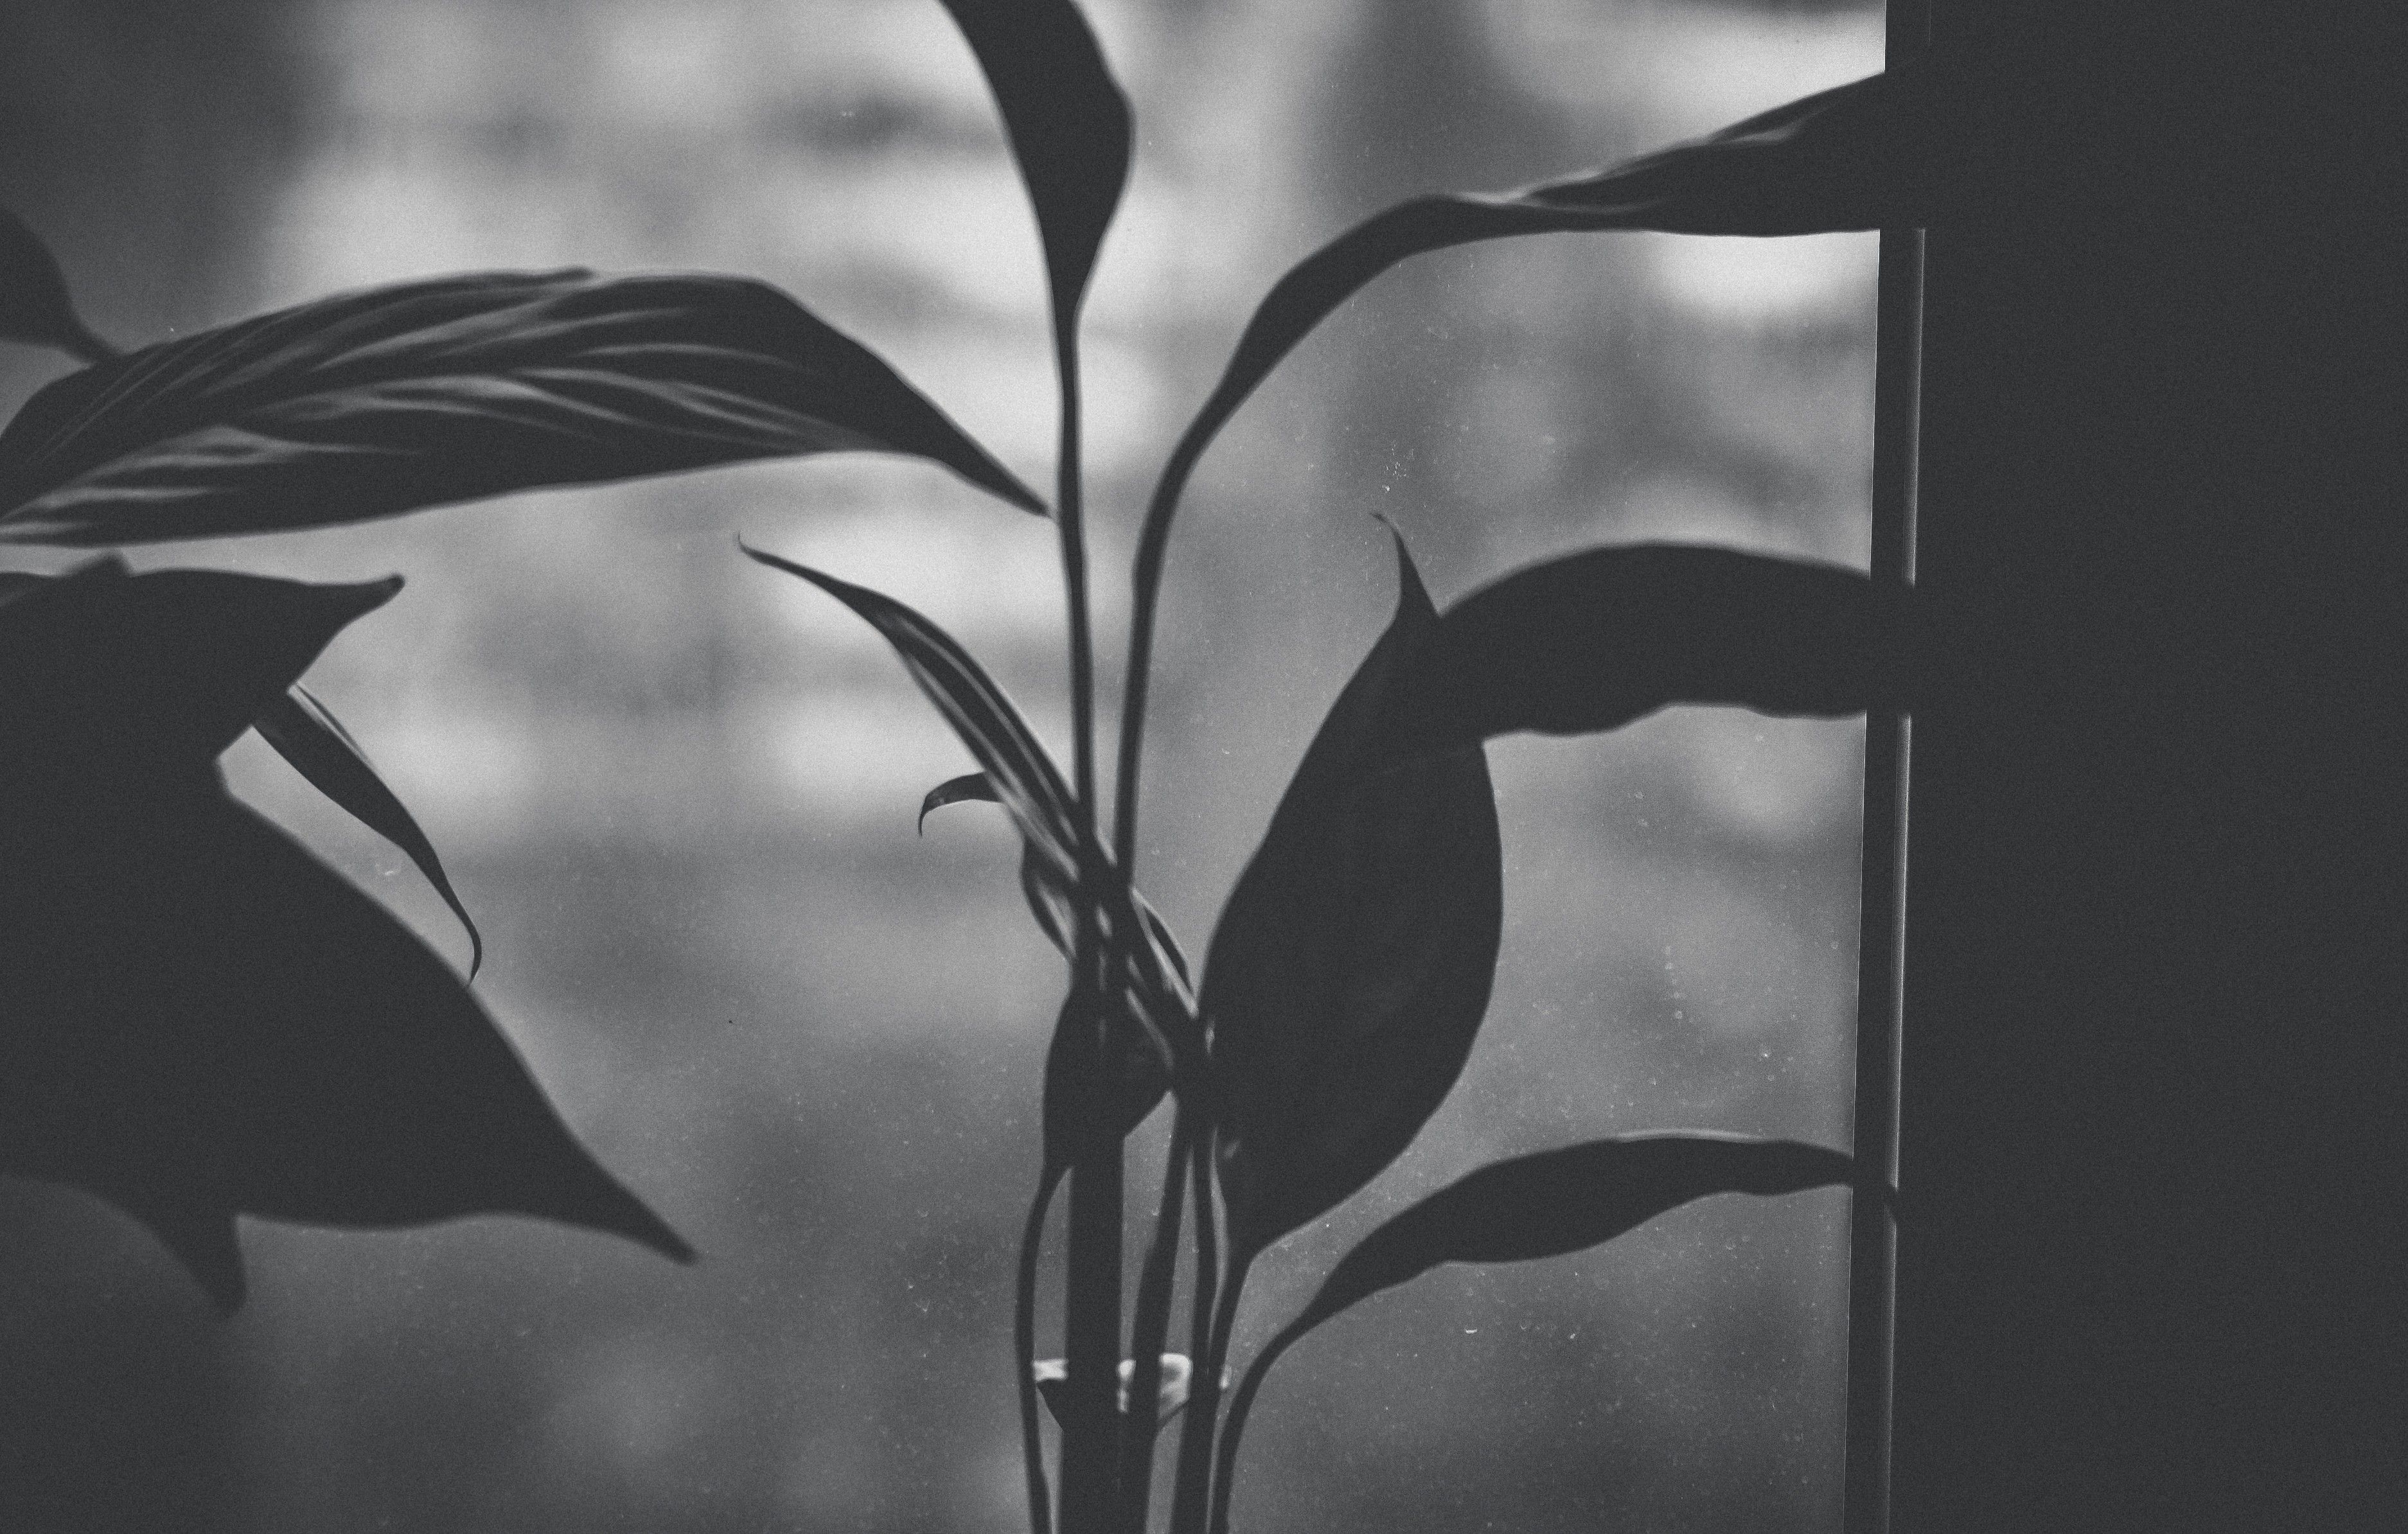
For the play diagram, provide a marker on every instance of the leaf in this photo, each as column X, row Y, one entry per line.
column 1595, row 639
column 1158, row 1025
column 104, row 674
column 1562, row 1201
column 1353, row 963
column 197, row 1018
column 307, row 735
column 34, row 302
column 1024, row 779
column 1069, row 124
column 372, row 404
column 1840, row 159
column 970, row 785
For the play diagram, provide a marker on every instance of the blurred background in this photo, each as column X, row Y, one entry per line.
column 677, row 790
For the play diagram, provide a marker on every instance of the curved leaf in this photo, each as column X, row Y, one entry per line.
column 34, row 302
column 372, row 404
column 306, row 733
column 1594, row 641
column 1353, row 963
column 1840, row 159
column 1159, row 1021
column 970, row 786
column 107, row 674
column 1562, row 1201
column 196, row 1017
column 1069, row 124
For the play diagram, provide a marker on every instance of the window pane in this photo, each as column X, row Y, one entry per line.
column 676, row 790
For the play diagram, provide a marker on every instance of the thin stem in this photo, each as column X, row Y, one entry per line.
column 1224, row 1321
column 1153, row 544
column 1092, row 1299
column 1141, row 1422
column 1023, row 1346
column 1225, row 1469
column 1187, row 1502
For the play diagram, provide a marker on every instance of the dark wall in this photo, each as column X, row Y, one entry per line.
column 2152, row 1056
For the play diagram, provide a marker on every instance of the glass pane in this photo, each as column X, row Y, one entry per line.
column 676, row 790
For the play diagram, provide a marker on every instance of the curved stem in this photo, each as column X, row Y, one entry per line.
column 1187, row 1500
column 1142, row 1421
column 1226, row 1468
column 1153, row 544
column 1023, row 1346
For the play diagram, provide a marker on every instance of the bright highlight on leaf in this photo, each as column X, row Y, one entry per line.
column 1352, row 965
column 306, row 733
column 371, row 404
column 197, row 1018
column 1595, row 639
column 33, row 302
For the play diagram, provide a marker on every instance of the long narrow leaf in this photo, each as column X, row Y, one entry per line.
column 1841, row 159
column 1069, row 124
column 372, row 404
column 1594, row 641
column 1158, row 1026
column 306, row 733
column 1558, row 1202
column 34, row 302
column 1351, row 968
column 1546, row 1205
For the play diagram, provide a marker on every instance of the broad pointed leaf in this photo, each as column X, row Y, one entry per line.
column 1069, row 124
column 306, row 733
column 1840, row 159
column 1594, row 641
column 33, row 302
column 1558, row 1202
column 196, row 1018
column 107, row 674
column 1353, row 963
column 371, row 404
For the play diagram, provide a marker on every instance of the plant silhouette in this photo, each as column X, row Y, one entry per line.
column 200, row 1020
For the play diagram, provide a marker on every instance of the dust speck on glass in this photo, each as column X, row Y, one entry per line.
column 677, row 792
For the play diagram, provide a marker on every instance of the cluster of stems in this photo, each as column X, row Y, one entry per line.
column 1108, row 1452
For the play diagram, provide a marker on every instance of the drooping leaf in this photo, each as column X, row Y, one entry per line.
column 1158, row 1022
column 1595, row 639
column 1069, row 124
column 1353, row 963
column 371, row 404
column 34, row 302
column 306, row 733
column 1840, row 159
column 1558, row 1202
column 1021, row 776
column 970, row 785
column 104, row 674
column 196, row 1018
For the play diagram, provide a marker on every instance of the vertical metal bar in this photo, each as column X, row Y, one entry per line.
column 1881, row 964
